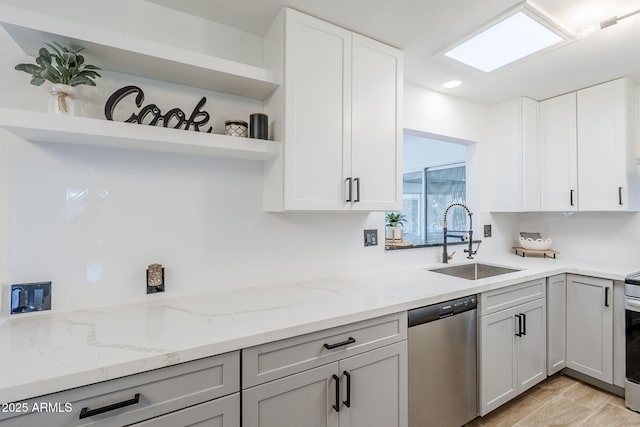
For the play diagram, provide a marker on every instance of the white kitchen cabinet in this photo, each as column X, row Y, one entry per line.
column 222, row 412
column 512, row 345
column 338, row 112
column 350, row 376
column 607, row 147
column 513, row 156
column 558, row 154
column 556, row 323
column 590, row 326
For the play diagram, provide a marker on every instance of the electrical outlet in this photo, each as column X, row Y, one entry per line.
column 487, row 230
column 28, row 297
column 371, row 237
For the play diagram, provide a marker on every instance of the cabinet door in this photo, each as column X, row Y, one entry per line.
column 513, row 156
column 558, row 154
column 223, row 412
column 602, row 142
column 590, row 326
column 556, row 323
column 374, row 385
column 376, row 161
column 304, row 399
column 318, row 113
column 532, row 345
column 498, row 375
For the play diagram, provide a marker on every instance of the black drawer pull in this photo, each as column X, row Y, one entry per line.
column 348, row 341
column 357, row 181
column 606, row 297
column 620, row 195
column 347, row 402
column 350, row 181
column 571, row 197
column 336, row 407
column 86, row 412
column 519, row 333
column 524, row 323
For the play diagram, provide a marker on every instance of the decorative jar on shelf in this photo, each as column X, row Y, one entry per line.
column 64, row 100
column 236, row 128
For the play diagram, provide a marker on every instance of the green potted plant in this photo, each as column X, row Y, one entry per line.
column 394, row 223
column 65, row 68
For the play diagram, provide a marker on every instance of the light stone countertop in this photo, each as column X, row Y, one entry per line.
column 57, row 351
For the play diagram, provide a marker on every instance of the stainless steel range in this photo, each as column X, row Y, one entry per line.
column 632, row 341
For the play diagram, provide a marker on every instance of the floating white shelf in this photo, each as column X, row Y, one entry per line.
column 132, row 55
column 45, row 127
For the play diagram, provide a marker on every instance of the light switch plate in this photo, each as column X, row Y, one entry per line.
column 487, row 230
column 371, row 237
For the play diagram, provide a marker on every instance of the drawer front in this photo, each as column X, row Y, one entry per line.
column 134, row 398
column 223, row 412
column 510, row 296
column 275, row 360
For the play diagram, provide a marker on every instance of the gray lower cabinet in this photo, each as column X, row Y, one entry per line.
column 590, row 326
column 366, row 390
column 556, row 323
column 512, row 342
column 202, row 392
column 349, row 376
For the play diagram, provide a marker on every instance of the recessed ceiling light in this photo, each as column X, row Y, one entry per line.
column 522, row 33
column 452, row 83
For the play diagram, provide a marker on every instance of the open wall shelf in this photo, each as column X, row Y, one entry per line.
column 131, row 55
column 44, row 127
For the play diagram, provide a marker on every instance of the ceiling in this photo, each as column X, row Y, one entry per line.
column 424, row 28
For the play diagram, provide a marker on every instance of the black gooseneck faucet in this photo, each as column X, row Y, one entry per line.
column 470, row 251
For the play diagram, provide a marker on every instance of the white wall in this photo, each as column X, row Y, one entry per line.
column 92, row 219
column 419, row 153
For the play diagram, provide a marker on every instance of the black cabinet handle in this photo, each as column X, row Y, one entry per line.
column 350, row 181
column 337, row 405
column 348, row 341
column 620, row 195
column 347, row 402
column 571, row 197
column 606, row 297
column 86, row 412
column 524, row 323
column 357, row 180
column 519, row 333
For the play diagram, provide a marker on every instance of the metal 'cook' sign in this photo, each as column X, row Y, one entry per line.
column 151, row 115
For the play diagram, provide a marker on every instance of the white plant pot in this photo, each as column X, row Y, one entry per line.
column 393, row 233
column 64, row 100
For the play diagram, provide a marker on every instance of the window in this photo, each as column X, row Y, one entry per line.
column 434, row 176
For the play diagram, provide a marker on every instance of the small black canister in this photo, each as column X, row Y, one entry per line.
column 259, row 126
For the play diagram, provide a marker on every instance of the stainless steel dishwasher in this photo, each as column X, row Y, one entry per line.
column 442, row 363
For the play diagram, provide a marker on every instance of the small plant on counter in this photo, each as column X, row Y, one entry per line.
column 395, row 219
column 69, row 68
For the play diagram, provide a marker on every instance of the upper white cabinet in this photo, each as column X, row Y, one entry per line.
column 513, row 156
column 339, row 113
column 558, row 154
column 607, row 147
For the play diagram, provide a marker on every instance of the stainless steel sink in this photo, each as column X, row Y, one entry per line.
column 473, row 271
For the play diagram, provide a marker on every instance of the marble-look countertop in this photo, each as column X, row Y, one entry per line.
column 52, row 352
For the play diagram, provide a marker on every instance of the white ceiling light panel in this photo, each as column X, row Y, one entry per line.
column 519, row 35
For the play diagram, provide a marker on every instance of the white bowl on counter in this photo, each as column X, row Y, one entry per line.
column 538, row 244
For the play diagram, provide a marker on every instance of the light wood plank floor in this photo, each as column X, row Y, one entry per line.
column 561, row 401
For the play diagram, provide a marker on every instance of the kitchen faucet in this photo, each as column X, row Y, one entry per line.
column 470, row 251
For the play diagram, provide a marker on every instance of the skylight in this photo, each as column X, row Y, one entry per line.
column 511, row 39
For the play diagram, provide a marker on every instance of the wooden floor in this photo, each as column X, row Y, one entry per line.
column 561, row 401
